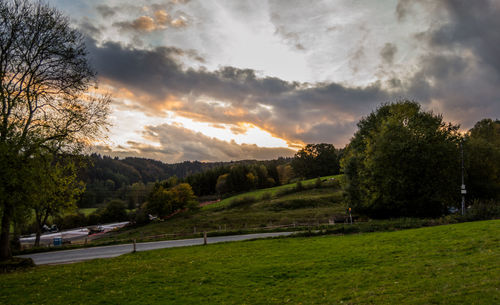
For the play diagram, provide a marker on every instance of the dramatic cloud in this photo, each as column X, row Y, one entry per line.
column 459, row 74
column 176, row 144
column 287, row 109
column 304, row 72
column 473, row 25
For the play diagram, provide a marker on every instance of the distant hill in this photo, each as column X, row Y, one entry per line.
column 108, row 178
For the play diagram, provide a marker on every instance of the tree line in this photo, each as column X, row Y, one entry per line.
column 128, row 179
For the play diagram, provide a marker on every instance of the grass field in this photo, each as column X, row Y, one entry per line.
column 453, row 264
column 273, row 191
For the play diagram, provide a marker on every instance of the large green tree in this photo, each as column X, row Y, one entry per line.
column 403, row 161
column 482, row 155
column 316, row 160
column 45, row 104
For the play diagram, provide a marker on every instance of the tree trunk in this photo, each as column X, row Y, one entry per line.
column 5, row 233
column 39, row 226
column 37, row 238
column 15, row 243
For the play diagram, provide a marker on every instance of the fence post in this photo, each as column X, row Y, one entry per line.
column 194, row 230
column 204, row 237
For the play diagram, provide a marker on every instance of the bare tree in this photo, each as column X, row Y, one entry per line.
column 46, row 106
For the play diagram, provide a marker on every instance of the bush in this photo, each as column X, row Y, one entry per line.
column 286, row 191
column 332, row 182
column 94, row 218
column 318, row 183
column 16, row 263
column 139, row 216
column 115, row 210
column 241, row 201
column 266, row 196
column 298, row 186
column 72, row 221
column 297, row 204
column 483, row 209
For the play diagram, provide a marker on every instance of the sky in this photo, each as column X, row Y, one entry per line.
column 230, row 80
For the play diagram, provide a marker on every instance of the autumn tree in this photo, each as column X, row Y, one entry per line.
column 46, row 107
column 285, row 173
column 164, row 200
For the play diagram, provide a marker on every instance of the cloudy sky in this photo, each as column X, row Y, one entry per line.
column 229, row 80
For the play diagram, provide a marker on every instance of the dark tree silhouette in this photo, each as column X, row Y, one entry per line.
column 45, row 103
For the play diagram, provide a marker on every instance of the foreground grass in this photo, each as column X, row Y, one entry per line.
column 454, row 264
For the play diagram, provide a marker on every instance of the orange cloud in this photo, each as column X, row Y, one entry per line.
column 162, row 17
column 144, row 23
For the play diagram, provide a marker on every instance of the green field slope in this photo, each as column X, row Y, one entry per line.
column 272, row 191
column 310, row 206
column 453, row 264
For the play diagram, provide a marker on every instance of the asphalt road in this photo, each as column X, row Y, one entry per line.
column 76, row 255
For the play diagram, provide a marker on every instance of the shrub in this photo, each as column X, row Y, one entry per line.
column 298, row 186
column 94, row 218
column 332, row 182
column 115, row 210
column 318, row 182
column 286, row 191
column 16, row 263
column 139, row 216
column 483, row 209
column 266, row 196
column 72, row 221
column 241, row 201
column 297, row 204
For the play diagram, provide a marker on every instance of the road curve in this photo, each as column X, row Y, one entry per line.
column 77, row 255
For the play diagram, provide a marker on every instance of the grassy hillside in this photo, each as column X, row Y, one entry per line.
column 453, row 264
column 308, row 206
column 273, row 191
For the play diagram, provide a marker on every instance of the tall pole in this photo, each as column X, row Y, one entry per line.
column 462, row 189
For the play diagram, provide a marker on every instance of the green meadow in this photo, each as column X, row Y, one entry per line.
column 273, row 191
column 282, row 207
column 451, row 264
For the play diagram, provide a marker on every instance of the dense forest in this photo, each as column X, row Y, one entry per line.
column 131, row 179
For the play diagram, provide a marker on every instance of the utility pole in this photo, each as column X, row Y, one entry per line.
column 462, row 189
